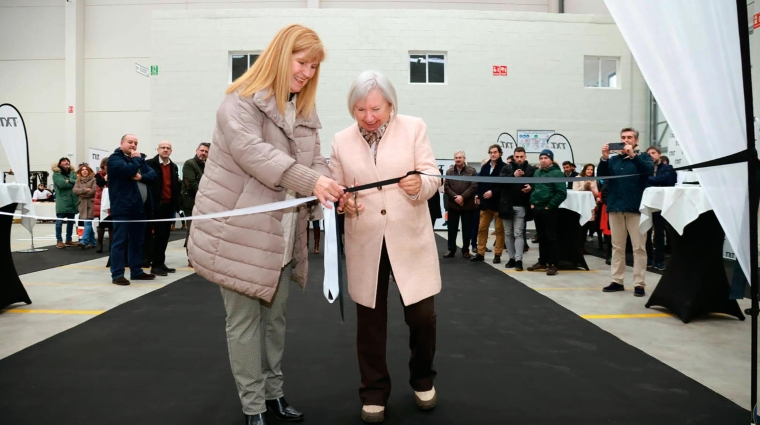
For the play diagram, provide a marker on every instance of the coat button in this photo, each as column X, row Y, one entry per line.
column 382, row 212
column 379, row 188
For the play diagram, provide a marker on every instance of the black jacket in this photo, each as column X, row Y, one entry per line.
column 157, row 187
column 512, row 194
column 570, row 184
column 491, row 204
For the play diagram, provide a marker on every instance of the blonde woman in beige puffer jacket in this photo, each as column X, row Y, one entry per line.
column 265, row 149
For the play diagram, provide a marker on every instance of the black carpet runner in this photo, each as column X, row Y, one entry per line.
column 505, row 355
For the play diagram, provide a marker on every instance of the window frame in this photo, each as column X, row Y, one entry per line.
column 599, row 60
column 427, row 54
column 248, row 53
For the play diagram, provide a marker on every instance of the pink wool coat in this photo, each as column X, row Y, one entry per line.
column 389, row 213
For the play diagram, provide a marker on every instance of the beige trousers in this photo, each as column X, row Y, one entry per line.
column 486, row 217
column 256, row 342
column 623, row 225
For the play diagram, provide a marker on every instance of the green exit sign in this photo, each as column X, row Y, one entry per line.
column 154, row 70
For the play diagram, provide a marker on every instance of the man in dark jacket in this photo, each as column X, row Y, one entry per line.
column 514, row 207
column 489, row 206
column 192, row 171
column 569, row 169
column 129, row 178
column 166, row 204
column 545, row 199
column 461, row 204
column 663, row 176
column 623, row 207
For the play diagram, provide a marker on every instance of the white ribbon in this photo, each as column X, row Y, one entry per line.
column 331, row 284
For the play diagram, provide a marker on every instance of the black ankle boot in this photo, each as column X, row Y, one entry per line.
column 259, row 419
column 283, row 411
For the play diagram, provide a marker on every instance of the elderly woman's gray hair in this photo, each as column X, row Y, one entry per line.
column 365, row 83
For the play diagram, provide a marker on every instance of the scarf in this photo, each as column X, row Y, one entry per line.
column 374, row 137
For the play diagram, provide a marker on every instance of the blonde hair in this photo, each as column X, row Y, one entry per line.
column 272, row 70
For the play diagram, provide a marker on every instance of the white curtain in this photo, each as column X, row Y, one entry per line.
column 689, row 55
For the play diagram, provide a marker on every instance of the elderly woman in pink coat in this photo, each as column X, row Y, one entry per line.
column 387, row 230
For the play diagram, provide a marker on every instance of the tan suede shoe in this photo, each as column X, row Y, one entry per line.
column 426, row 400
column 373, row 414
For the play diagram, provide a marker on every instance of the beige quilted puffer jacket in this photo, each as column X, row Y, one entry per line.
column 254, row 157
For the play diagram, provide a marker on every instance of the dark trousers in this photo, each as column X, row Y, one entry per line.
column 656, row 251
column 474, row 229
column 161, row 232
column 127, row 238
column 546, row 227
column 454, row 217
column 372, row 335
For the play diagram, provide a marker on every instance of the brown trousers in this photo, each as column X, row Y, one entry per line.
column 372, row 335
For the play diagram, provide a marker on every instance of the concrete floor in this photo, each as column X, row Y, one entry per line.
column 713, row 350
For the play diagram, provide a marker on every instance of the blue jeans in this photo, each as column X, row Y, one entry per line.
column 89, row 236
column 69, row 226
column 127, row 237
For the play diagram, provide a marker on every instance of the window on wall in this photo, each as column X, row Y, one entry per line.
column 600, row 72
column 427, row 68
column 240, row 62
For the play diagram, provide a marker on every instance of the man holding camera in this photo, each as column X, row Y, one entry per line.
column 623, row 203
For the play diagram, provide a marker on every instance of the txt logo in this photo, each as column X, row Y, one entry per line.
column 8, row 122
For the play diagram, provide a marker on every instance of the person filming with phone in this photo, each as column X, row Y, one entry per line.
column 623, row 206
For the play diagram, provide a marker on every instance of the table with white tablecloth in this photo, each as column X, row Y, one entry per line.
column 574, row 212
column 695, row 281
column 12, row 196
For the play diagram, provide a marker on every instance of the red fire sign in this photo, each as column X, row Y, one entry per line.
column 499, row 70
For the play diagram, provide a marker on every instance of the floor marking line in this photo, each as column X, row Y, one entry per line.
column 625, row 316
column 87, row 312
column 566, row 289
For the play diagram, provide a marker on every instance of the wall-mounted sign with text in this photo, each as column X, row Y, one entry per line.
column 142, row 70
column 499, row 70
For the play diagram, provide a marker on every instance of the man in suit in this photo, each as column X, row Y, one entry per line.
column 166, row 204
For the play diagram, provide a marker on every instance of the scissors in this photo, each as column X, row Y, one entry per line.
column 356, row 205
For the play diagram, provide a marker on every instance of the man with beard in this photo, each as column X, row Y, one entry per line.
column 192, row 171
column 65, row 201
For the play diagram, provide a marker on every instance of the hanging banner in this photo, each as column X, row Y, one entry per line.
column 14, row 141
column 95, row 156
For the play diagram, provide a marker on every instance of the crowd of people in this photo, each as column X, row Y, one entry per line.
column 138, row 189
column 615, row 219
column 267, row 149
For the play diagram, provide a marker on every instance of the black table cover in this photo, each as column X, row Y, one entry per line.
column 11, row 289
column 695, row 281
column 570, row 244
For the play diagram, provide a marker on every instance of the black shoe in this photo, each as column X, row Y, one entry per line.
column 488, row 250
column 639, row 291
column 510, row 264
column 255, row 419
column 614, row 287
column 449, row 254
column 283, row 411
column 144, row 276
column 477, row 257
column 158, row 271
column 608, row 261
column 518, row 266
column 497, row 259
column 121, row 281
column 164, row 268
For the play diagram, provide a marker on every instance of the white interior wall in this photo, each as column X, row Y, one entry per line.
column 32, row 73
column 116, row 35
column 544, row 89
